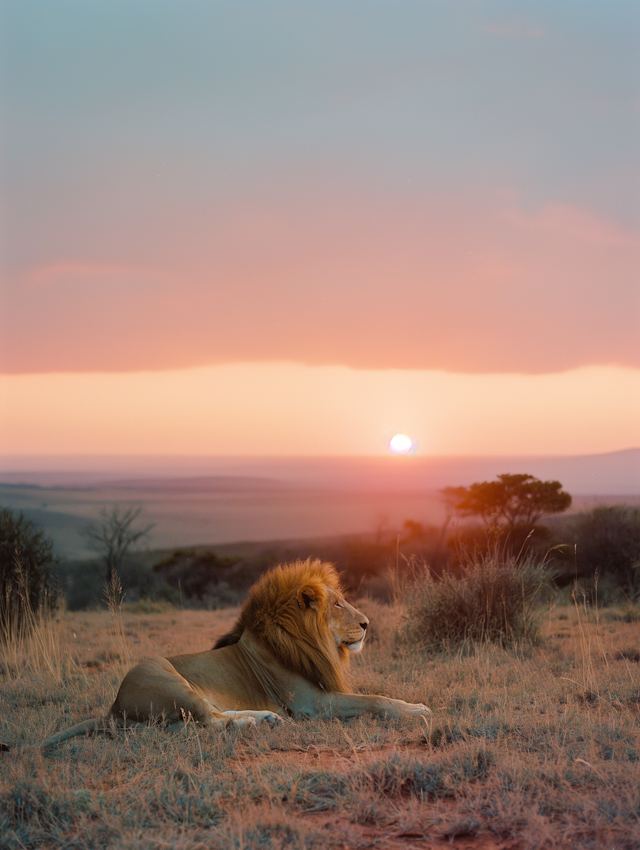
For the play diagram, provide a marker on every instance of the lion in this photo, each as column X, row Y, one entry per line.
column 287, row 654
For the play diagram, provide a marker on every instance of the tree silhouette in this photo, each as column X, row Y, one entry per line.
column 512, row 502
column 116, row 536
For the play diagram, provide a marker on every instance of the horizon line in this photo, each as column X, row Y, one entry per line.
column 292, row 457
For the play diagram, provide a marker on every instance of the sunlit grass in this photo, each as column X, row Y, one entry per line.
column 31, row 642
column 535, row 746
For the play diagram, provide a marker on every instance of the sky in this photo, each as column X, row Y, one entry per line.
column 267, row 228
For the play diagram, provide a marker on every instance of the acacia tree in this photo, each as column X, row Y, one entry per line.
column 513, row 502
column 116, row 536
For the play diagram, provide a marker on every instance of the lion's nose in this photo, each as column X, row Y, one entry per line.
column 364, row 625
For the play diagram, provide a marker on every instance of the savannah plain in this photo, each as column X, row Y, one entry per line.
column 537, row 746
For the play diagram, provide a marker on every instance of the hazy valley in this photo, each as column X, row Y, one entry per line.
column 194, row 501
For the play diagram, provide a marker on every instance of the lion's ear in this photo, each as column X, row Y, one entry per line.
column 308, row 596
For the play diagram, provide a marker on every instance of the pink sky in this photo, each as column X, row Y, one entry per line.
column 473, row 284
column 297, row 231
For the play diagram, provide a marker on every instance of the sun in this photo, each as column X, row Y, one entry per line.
column 401, row 444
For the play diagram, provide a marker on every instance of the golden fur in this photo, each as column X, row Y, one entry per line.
column 299, row 638
column 287, row 652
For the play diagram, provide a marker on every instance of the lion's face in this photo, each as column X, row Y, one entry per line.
column 298, row 612
column 347, row 625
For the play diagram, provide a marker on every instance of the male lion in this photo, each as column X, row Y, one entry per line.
column 288, row 652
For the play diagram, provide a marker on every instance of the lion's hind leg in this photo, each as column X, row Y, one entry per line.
column 154, row 691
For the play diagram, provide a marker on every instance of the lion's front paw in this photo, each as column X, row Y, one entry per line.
column 409, row 709
column 272, row 718
column 243, row 718
column 418, row 708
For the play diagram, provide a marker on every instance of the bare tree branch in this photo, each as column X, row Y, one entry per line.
column 116, row 536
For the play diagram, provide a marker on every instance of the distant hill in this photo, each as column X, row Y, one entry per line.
column 614, row 473
column 193, row 501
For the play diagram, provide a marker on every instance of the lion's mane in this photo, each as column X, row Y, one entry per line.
column 286, row 611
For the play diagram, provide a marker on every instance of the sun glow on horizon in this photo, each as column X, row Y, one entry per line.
column 401, row 444
column 285, row 409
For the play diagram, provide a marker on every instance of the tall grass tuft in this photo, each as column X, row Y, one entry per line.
column 30, row 642
column 26, row 558
column 121, row 650
column 492, row 599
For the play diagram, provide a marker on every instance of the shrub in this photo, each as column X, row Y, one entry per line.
column 83, row 582
column 202, row 576
column 492, row 598
column 26, row 559
column 607, row 544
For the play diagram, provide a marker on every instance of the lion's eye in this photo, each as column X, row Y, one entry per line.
column 337, row 605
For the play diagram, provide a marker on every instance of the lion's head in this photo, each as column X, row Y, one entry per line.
column 299, row 612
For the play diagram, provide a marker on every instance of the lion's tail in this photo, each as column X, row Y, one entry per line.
column 96, row 724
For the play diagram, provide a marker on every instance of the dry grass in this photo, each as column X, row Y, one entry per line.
column 535, row 747
column 32, row 645
column 494, row 599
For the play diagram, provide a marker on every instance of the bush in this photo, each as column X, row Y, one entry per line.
column 83, row 584
column 607, row 545
column 200, row 576
column 493, row 598
column 26, row 559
